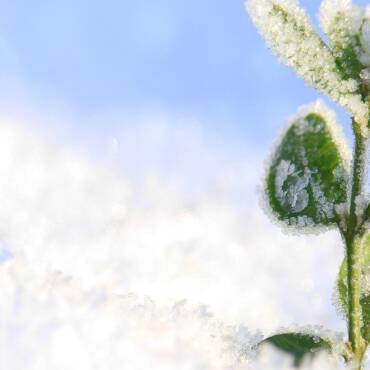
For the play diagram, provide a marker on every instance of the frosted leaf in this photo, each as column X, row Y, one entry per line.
column 342, row 22
column 348, row 28
column 288, row 31
column 365, row 41
column 307, row 175
column 298, row 344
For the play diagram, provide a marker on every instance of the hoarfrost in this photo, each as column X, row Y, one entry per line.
column 302, row 126
column 325, row 208
column 361, row 203
column 365, row 282
column 241, row 342
column 348, row 27
column 295, row 198
column 342, row 22
column 339, row 173
column 316, row 331
column 289, row 33
column 336, row 132
column 342, row 211
column 365, row 75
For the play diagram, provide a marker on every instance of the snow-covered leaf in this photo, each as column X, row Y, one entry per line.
column 289, row 33
column 342, row 21
column 298, row 345
column 307, row 177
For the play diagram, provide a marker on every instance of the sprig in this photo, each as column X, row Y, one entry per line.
column 309, row 185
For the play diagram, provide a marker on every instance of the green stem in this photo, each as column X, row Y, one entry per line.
column 353, row 246
column 354, row 295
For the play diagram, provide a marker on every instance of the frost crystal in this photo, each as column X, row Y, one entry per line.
column 295, row 198
column 365, row 281
column 348, row 28
column 361, row 205
column 342, row 22
column 241, row 342
column 291, row 36
column 342, row 211
column 317, row 331
column 336, row 132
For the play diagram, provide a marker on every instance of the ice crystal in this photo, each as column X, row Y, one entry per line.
column 342, row 22
column 241, row 342
column 361, row 202
column 317, row 331
column 296, row 197
column 348, row 28
column 290, row 34
column 336, row 131
column 341, row 211
column 365, row 281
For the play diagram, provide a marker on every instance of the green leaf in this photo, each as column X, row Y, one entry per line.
column 307, row 176
column 345, row 47
column 344, row 30
column 348, row 63
column 342, row 288
column 298, row 345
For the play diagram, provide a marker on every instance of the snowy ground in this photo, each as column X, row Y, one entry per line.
column 102, row 272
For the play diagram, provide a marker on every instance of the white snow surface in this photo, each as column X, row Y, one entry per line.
column 99, row 273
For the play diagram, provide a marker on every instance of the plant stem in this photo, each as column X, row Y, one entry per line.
column 353, row 246
column 354, row 295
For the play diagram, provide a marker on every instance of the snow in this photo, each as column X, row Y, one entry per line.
column 145, row 280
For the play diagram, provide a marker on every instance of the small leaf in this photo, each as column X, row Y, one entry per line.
column 298, row 345
column 342, row 288
column 307, row 176
column 343, row 23
column 290, row 34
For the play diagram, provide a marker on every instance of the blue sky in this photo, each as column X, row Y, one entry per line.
column 198, row 59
